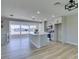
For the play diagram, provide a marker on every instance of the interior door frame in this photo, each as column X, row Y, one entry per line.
column 57, row 31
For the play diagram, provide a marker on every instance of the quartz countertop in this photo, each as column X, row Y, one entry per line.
column 40, row 33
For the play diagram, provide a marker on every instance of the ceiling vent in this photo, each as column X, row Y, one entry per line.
column 71, row 5
column 57, row 3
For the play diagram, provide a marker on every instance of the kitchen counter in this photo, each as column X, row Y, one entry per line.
column 39, row 40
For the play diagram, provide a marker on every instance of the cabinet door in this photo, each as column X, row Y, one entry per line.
column 59, row 21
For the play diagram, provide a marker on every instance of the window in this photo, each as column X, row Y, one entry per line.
column 24, row 29
column 14, row 29
column 32, row 29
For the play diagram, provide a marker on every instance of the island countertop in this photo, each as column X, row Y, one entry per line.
column 39, row 40
column 40, row 33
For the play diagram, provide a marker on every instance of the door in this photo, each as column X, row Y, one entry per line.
column 24, row 31
column 20, row 30
column 14, row 31
column 58, row 32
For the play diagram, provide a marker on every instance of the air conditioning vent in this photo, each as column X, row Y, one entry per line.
column 57, row 3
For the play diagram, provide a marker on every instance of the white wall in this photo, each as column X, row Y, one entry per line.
column 4, row 30
column 70, row 29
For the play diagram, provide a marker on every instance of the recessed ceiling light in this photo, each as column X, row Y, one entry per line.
column 57, row 3
column 38, row 12
column 53, row 16
column 11, row 15
column 45, row 19
column 33, row 17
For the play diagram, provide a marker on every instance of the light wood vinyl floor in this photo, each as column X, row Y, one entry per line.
column 54, row 50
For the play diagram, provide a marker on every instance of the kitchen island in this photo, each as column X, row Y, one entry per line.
column 39, row 40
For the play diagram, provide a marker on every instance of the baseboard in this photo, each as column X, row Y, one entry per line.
column 72, row 43
column 69, row 42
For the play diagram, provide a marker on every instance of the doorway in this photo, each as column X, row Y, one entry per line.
column 58, row 32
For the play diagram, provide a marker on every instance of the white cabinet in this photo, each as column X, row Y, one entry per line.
column 39, row 40
column 58, row 20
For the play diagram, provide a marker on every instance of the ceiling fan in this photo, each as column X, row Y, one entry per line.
column 71, row 5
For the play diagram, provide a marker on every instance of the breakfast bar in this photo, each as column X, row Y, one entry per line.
column 39, row 40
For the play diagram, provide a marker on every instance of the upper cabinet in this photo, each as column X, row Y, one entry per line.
column 53, row 21
column 58, row 20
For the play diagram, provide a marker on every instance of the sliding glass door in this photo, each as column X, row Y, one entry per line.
column 24, row 29
column 21, row 31
column 32, row 29
column 14, row 31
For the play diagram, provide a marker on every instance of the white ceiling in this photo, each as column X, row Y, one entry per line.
column 26, row 9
